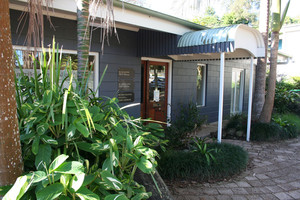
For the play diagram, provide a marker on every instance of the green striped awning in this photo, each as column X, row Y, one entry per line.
column 209, row 36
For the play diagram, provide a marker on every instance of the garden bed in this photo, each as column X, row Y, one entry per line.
column 228, row 161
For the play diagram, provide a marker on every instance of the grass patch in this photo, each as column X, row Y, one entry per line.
column 292, row 118
column 187, row 165
column 266, row 132
column 283, row 126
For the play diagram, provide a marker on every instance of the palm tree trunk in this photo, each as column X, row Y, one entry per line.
column 260, row 75
column 83, row 39
column 11, row 165
column 266, row 113
column 260, row 87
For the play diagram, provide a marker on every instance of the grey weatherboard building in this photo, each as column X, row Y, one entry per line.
column 158, row 68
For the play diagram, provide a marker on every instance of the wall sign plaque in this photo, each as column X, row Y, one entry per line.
column 125, row 73
column 125, row 85
column 125, row 97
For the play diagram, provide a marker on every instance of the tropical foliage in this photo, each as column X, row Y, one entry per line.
column 286, row 98
column 188, row 121
column 76, row 145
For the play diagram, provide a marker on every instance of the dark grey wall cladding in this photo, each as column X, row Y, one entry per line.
column 109, row 86
column 155, row 43
column 116, row 54
column 64, row 31
column 184, row 76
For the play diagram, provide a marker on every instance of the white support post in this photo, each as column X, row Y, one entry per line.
column 250, row 101
column 221, row 96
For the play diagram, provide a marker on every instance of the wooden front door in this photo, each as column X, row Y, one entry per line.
column 155, row 90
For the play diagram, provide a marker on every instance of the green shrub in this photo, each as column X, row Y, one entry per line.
column 289, row 121
column 285, row 98
column 188, row 120
column 296, row 82
column 283, row 126
column 103, row 144
column 292, row 118
column 237, row 123
column 273, row 131
column 265, row 131
column 187, row 165
column 200, row 146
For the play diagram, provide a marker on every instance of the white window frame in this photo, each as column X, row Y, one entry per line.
column 68, row 51
column 204, row 85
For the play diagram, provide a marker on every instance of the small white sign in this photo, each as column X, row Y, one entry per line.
column 156, row 95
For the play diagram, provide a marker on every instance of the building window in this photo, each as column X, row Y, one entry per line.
column 237, row 91
column 27, row 66
column 201, row 84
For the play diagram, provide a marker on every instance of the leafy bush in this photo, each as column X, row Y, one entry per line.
column 236, row 124
column 187, row 165
column 283, row 126
column 188, row 121
column 292, row 119
column 271, row 131
column 103, row 144
column 296, row 82
column 290, row 122
column 265, row 131
column 285, row 98
column 201, row 147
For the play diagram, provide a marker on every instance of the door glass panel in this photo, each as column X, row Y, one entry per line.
column 157, row 83
column 201, row 84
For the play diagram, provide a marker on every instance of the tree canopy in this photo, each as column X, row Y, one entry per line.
column 292, row 20
column 239, row 12
column 210, row 19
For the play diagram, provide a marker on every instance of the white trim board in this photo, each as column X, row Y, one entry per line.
column 125, row 19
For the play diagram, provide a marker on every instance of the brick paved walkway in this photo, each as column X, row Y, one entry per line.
column 274, row 174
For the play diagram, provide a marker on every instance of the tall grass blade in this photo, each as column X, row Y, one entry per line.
column 52, row 65
column 45, row 69
column 58, row 64
column 36, row 84
column 155, row 183
column 64, row 110
column 101, row 79
column 19, row 64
